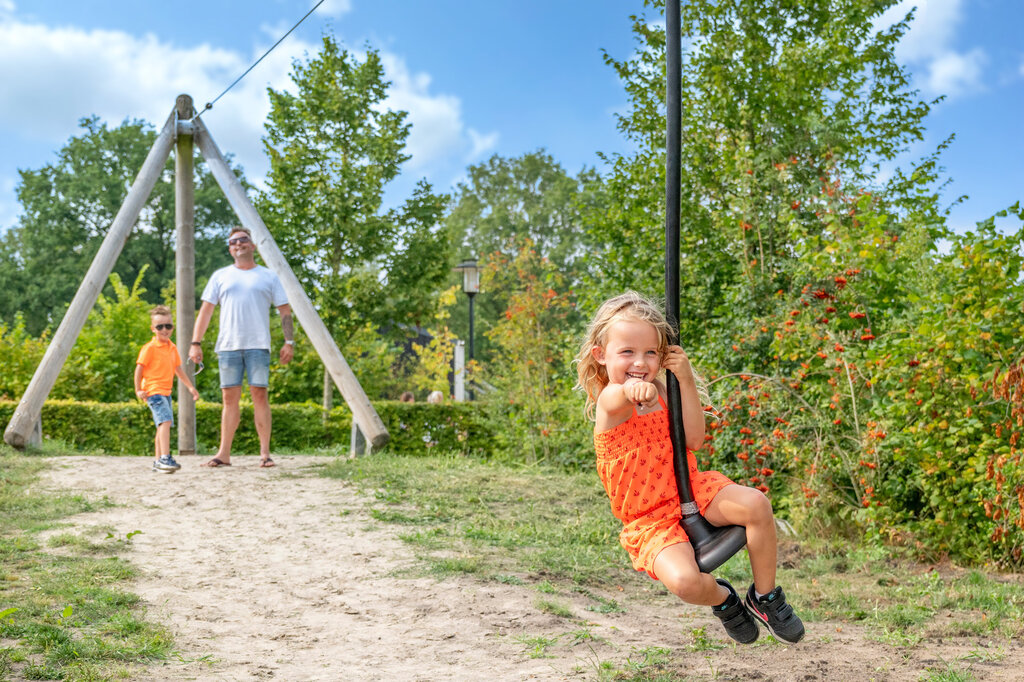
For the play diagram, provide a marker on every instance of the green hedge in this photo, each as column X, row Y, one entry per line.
column 127, row 428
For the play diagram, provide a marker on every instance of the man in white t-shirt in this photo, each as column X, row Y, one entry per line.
column 245, row 292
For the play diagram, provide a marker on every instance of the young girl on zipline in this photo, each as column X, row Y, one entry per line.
column 625, row 348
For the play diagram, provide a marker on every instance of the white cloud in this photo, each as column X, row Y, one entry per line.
column 932, row 29
column 928, row 47
column 954, row 74
column 335, row 8
column 481, row 144
column 437, row 127
column 50, row 77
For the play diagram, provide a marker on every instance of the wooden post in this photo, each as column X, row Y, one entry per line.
column 362, row 411
column 36, row 439
column 460, row 371
column 328, row 397
column 185, row 292
column 23, row 420
column 356, row 441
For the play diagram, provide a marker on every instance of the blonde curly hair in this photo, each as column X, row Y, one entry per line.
column 592, row 376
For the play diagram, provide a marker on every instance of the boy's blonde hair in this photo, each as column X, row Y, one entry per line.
column 592, row 376
column 160, row 310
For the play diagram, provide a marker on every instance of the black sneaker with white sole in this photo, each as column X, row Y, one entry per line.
column 738, row 623
column 774, row 612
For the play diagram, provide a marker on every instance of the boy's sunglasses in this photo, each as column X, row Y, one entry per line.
column 161, row 327
column 199, row 368
column 238, row 240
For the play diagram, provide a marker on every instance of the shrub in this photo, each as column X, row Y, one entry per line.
column 127, row 428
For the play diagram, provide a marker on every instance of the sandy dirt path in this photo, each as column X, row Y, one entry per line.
column 279, row 574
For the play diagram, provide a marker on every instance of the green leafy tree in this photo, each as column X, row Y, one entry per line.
column 778, row 102
column 67, row 207
column 506, row 203
column 333, row 149
column 531, row 370
column 434, row 364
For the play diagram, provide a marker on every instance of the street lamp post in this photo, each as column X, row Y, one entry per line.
column 470, row 285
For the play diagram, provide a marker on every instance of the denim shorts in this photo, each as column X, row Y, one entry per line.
column 160, row 406
column 253, row 362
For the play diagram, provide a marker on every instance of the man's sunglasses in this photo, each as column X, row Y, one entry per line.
column 238, row 240
column 161, row 327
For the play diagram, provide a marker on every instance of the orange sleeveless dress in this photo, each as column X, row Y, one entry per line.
column 634, row 461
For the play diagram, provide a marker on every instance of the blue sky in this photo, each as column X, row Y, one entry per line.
column 477, row 78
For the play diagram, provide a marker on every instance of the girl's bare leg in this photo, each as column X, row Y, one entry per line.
column 676, row 567
column 748, row 507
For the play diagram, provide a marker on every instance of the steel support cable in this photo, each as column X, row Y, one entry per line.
column 209, row 105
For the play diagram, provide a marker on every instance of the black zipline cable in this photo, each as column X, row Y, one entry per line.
column 209, row 105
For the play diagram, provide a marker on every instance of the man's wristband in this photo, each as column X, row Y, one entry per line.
column 290, row 342
column 196, row 343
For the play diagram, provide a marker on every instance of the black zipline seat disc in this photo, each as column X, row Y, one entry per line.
column 712, row 545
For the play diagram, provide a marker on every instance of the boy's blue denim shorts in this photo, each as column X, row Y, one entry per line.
column 253, row 362
column 160, row 406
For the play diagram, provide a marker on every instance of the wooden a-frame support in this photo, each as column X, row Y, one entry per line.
column 181, row 129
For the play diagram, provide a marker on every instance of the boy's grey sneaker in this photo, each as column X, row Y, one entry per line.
column 738, row 623
column 167, row 463
column 774, row 612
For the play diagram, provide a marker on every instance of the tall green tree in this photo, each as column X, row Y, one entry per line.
column 333, row 148
column 67, row 207
column 782, row 103
column 507, row 203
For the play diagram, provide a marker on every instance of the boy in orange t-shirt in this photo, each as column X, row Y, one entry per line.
column 155, row 370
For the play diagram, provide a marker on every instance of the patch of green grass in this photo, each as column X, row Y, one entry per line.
column 445, row 566
column 897, row 637
column 537, row 646
column 526, row 520
column 949, row 673
column 602, row 605
column 554, row 608
column 985, row 656
column 580, row 636
column 65, row 611
column 699, row 641
column 546, row 587
column 509, row 579
column 642, row 658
